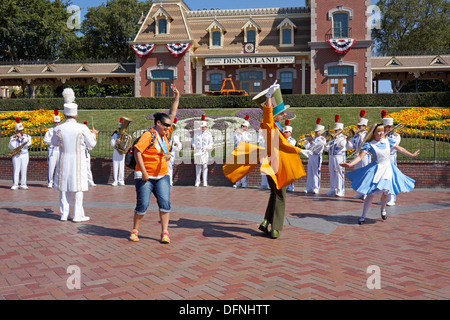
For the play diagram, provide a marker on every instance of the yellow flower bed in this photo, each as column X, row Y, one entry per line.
column 35, row 123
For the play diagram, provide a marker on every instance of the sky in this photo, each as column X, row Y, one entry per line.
column 229, row 4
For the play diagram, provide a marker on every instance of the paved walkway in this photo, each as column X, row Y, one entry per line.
column 217, row 251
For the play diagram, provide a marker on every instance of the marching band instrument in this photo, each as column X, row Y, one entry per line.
column 397, row 127
column 125, row 139
column 17, row 150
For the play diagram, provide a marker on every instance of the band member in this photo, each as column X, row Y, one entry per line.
column 202, row 143
column 71, row 169
column 388, row 123
column 288, row 132
column 242, row 134
column 355, row 143
column 151, row 171
column 336, row 149
column 52, row 151
column 262, row 143
column 315, row 147
column 175, row 146
column 87, row 152
column 19, row 144
column 118, row 160
column 381, row 176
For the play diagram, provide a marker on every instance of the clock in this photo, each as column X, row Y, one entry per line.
column 249, row 47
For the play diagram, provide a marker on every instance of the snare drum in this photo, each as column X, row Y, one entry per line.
column 201, row 157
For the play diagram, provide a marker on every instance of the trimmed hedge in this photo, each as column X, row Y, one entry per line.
column 438, row 99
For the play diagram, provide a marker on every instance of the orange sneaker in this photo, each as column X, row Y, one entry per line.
column 165, row 237
column 134, row 235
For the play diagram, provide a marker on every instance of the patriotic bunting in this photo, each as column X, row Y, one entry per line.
column 342, row 45
column 177, row 49
column 143, row 50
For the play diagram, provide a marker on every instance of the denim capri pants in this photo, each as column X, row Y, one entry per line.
column 159, row 187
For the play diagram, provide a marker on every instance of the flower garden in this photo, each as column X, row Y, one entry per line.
column 419, row 123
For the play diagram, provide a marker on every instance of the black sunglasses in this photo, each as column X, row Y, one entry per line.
column 167, row 125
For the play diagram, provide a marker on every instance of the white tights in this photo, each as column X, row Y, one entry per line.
column 368, row 201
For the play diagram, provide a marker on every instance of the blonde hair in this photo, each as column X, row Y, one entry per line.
column 371, row 134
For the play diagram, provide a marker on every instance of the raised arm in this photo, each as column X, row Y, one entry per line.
column 174, row 107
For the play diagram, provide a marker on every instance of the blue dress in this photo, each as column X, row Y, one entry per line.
column 380, row 174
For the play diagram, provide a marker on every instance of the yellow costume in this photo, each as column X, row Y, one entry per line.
column 281, row 162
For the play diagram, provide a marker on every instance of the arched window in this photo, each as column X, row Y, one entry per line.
column 340, row 25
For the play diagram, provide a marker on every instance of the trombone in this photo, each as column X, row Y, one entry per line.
column 397, row 127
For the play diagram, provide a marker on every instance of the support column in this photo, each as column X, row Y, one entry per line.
column 198, row 76
column 303, row 75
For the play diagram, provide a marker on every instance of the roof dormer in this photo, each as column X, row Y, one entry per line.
column 162, row 21
column 251, row 30
column 286, row 28
column 216, row 34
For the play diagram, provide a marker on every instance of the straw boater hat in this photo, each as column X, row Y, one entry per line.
column 386, row 121
column 277, row 101
column 56, row 117
column 18, row 126
column 362, row 121
column 337, row 124
column 319, row 127
column 70, row 107
column 245, row 123
column 287, row 128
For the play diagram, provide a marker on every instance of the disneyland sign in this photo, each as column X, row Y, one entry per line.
column 249, row 60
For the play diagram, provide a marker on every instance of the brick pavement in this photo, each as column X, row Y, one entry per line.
column 217, row 251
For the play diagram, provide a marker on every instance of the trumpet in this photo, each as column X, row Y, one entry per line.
column 397, row 127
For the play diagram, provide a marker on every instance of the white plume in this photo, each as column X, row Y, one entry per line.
column 69, row 95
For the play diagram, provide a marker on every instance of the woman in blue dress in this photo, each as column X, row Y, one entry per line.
column 380, row 176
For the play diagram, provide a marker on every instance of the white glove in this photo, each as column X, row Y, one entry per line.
column 272, row 89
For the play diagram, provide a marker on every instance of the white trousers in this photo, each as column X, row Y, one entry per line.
column 199, row 168
column 52, row 160
column 313, row 175
column 337, row 174
column 64, row 205
column 118, row 161
column 170, row 163
column 89, row 171
column 20, row 165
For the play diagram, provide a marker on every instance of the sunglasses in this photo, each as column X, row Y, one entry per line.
column 167, row 125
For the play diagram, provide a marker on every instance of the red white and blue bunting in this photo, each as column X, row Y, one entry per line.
column 177, row 49
column 143, row 50
column 341, row 45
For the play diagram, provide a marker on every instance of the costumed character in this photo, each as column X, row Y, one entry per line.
column 280, row 160
column 71, row 169
column 242, row 134
column 175, row 146
column 19, row 144
column 381, row 175
column 52, row 150
column 336, row 149
column 355, row 143
column 202, row 143
column 315, row 147
column 388, row 124
column 118, row 159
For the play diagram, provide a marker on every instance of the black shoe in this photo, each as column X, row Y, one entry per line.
column 361, row 221
column 383, row 215
column 264, row 226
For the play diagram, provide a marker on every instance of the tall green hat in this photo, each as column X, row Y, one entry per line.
column 277, row 101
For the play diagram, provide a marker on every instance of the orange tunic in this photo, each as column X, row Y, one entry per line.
column 282, row 161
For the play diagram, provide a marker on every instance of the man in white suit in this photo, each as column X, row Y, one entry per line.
column 20, row 160
column 53, row 151
column 71, row 170
column 202, row 143
column 118, row 159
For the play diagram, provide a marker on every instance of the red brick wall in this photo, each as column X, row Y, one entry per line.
column 427, row 174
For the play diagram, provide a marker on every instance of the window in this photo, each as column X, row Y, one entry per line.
column 215, row 82
column 161, row 81
column 216, row 38
column 251, row 36
column 286, row 82
column 162, row 26
column 286, row 36
column 340, row 79
column 340, row 25
column 251, row 81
